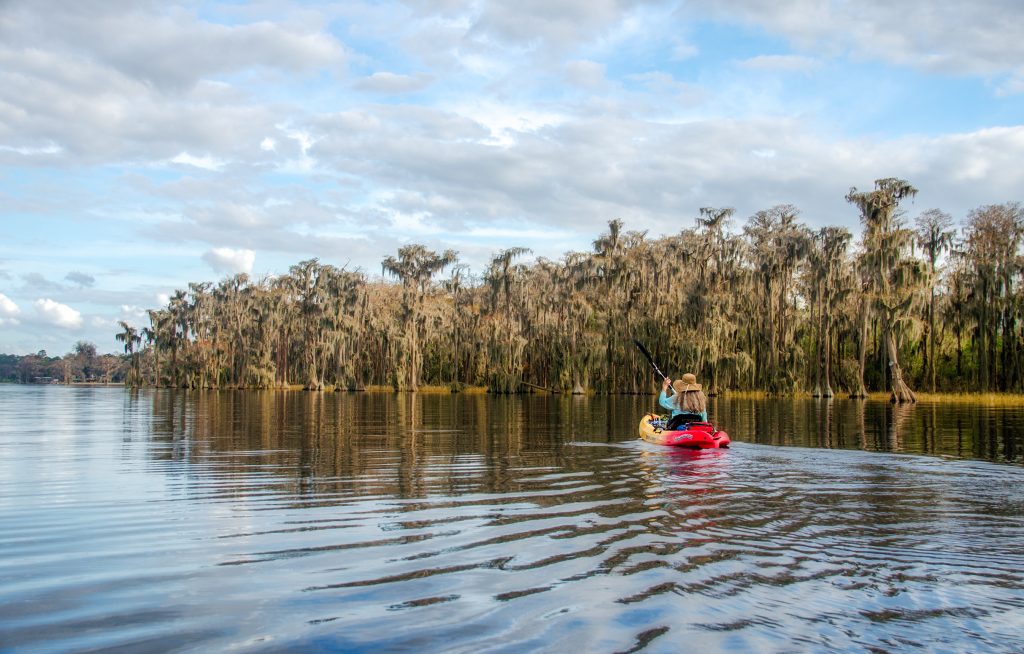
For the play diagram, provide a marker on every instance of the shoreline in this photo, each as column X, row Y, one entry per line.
column 923, row 397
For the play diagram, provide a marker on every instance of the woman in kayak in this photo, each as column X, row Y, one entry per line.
column 688, row 403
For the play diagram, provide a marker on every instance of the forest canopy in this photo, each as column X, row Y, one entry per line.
column 770, row 304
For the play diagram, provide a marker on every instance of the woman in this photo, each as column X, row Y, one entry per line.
column 688, row 404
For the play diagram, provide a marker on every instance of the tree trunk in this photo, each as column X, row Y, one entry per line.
column 313, row 382
column 455, row 375
column 827, row 390
column 818, row 343
column 983, row 336
column 412, row 375
column 959, row 350
column 931, row 336
column 861, row 390
column 174, row 365
column 900, row 391
column 1011, row 352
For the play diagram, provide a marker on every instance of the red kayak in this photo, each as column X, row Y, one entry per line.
column 696, row 435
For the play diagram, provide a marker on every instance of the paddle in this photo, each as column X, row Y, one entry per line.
column 658, row 370
column 649, row 358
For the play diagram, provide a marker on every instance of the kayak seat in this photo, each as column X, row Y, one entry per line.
column 677, row 421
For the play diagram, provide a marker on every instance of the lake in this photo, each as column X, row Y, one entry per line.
column 154, row 521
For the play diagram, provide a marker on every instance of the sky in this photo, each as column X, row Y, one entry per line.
column 146, row 145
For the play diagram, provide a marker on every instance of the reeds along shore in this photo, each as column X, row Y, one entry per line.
column 773, row 305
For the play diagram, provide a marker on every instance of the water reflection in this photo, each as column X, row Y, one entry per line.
column 213, row 521
column 319, row 426
column 957, row 430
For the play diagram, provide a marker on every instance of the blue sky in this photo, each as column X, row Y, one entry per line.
column 146, row 145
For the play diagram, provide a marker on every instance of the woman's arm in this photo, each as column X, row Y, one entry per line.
column 664, row 399
column 666, row 402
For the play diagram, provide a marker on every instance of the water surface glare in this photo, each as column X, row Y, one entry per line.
column 262, row 522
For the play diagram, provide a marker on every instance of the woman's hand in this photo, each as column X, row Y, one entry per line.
column 665, row 384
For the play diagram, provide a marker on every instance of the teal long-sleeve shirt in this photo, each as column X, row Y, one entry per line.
column 665, row 401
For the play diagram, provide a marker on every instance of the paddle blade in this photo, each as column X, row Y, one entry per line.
column 644, row 350
column 649, row 358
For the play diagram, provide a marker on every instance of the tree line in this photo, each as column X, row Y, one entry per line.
column 773, row 305
column 81, row 365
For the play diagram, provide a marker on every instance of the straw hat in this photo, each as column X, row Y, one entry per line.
column 687, row 383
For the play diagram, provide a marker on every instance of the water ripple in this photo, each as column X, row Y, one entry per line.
column 161, row 522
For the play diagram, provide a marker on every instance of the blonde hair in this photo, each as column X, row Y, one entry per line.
column 691, row 401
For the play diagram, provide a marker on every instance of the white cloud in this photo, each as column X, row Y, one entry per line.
column 780, row 63
column 164, row 46
column 979, row 37
column 227, row 260
column 30, row 151
column 588, row 74
column 663, row 83
column 205, row 162
column 573, row 172
column 503, row 122
column 384, row 82
column 9, row 311
column 82, row 279
column 530, row 117
column 518, row 232
column 682, row 51
column 58, row 314
column 95, row 114
column 132, row 313
column 553, row 24
column 1014, row 85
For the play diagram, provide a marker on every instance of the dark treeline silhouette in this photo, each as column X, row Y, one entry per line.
column 773, row 306
column 81, row 365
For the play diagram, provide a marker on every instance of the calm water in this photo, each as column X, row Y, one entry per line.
column 256, row 522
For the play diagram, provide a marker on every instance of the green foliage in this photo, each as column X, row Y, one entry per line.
column 774, row 306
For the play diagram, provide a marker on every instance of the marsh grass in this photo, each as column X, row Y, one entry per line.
column 982, row 399
column 428, row 390
column 744, row 395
